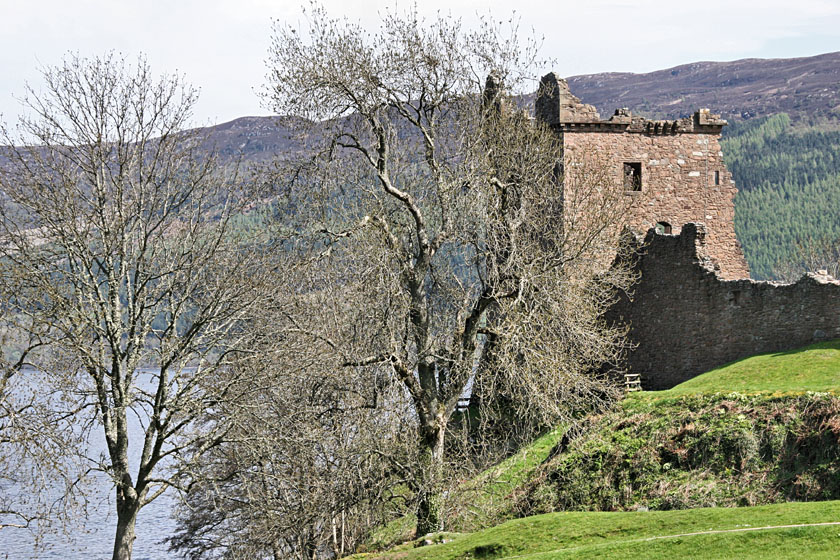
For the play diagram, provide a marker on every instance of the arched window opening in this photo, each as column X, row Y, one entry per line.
column 663, row 227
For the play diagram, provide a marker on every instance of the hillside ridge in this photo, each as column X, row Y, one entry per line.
column 807, row 88
column 804, row 87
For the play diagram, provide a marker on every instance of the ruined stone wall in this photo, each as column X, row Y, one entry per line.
column 679, row 173
column 686, row 320
column 678, row 169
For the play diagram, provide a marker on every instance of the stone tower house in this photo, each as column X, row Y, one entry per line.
column 673, row 171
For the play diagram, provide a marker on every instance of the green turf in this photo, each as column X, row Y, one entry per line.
column 651, row 534
column 812, row 368
column 815, row 368
column 804, row 542
column 485, row 497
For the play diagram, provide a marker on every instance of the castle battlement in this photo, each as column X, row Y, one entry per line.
column 559, row 107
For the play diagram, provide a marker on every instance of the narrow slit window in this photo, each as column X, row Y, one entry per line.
column 717, row 178
column 632, row 176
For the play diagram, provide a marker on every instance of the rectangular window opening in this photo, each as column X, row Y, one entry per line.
column 717, row 178
column 632, row 176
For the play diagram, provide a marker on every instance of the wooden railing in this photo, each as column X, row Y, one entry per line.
column 632, row 382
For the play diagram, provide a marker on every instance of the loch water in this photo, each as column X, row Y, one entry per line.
column 93, row 538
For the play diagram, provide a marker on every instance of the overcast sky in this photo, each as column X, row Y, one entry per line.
column 221, row 45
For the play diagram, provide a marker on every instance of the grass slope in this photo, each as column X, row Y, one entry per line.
column 483, row 500
column 720, row 450
column 762, row 430
column 812, row 368
column 486, row 499
column 651, row 534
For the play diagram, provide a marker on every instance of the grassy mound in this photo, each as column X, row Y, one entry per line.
column 748, row 433
column 812, row 368
column 763, row 430
column 756, row 532
column 696, row 451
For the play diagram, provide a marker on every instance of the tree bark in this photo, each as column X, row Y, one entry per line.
column 429, row 519
column 127, row 509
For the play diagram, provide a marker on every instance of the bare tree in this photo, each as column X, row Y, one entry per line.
column 445, row 247
column 42, row 483
column 813, row 255
column 123, row 248
column 305, row 470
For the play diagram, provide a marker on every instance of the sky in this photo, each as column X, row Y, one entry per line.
column 220, row 46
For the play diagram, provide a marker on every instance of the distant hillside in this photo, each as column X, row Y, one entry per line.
column 253, row 138
column 802, row 87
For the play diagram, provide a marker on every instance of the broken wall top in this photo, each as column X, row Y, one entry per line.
column 557, row 106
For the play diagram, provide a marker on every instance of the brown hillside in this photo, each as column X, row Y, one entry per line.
column 806, row 88
column 802, row 87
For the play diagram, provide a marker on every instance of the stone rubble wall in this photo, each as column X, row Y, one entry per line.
column 678, row 184
column 686, row 319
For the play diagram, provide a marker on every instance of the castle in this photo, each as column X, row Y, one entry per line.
column 694, row 307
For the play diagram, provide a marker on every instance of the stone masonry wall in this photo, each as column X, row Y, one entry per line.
column 677, row 184
column 686, row 320
column 679, row 163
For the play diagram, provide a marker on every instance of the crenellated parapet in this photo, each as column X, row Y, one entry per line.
column 560, row 108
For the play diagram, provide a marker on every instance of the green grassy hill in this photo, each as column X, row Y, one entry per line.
column 756, row 532
column 734, row 449
column 720, row 450
column 761, row 430
column 813, row 368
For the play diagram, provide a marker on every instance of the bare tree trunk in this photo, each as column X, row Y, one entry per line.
column 127, row 509
column 334, row 536
column 429, row 518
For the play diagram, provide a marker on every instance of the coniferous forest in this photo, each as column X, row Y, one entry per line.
column 788, row 178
